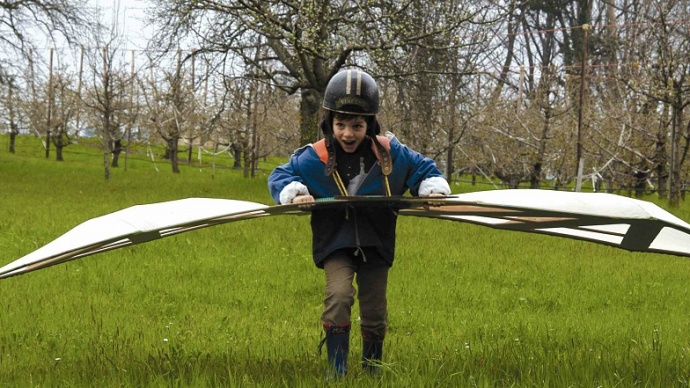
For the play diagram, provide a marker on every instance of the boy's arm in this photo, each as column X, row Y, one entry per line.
column 434, row 186
column 286, row 182
column 424, row 178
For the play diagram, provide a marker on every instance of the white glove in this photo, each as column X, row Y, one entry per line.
column 434, row 185
column 292, row 190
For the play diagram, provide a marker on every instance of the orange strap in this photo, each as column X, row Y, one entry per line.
column 321, row 151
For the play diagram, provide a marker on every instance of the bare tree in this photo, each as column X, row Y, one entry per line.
column 13, row 122
column 305, row 42
column 64, row 111
column 21, row 23
column 106, row 99
column 170, row 105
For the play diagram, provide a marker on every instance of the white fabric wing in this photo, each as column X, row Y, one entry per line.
column 602, row 218
column 133, row 225
column 609, row 219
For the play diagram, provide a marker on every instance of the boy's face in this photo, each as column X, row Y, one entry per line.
column 350, row 132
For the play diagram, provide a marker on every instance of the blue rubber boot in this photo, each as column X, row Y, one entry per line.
column 337, row 346
column 372, row 353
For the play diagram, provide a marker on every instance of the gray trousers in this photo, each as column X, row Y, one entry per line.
column 372, row 278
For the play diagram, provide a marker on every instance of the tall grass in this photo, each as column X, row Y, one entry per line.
column 239, row 304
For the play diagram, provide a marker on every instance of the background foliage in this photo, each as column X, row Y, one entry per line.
column 536, row 93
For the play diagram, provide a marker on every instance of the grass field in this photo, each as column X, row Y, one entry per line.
column 239, row 304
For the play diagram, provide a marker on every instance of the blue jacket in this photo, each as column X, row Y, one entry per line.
column 368, row 228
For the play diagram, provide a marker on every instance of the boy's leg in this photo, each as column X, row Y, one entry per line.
column 338, row 301
column 372, row 280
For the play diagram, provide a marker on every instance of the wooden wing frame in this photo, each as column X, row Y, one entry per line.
column 608, row 219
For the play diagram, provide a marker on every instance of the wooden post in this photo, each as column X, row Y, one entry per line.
column 194, row 116
column 452, row 105
column 131, row 116
column 79, row 86
column 583, row 71
column 106, row 115
column 50, row 102
column 10, row 108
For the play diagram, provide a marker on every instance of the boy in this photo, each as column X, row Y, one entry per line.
column 354, row 159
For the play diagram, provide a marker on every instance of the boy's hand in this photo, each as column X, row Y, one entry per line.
column 303, row 199
column 435, row 200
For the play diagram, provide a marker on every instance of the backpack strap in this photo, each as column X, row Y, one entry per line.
column 382, row 146
column 321, row 151
column 326, row 154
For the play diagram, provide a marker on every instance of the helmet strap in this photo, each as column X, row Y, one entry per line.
column 330, row 149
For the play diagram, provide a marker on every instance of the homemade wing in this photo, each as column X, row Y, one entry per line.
column 608, row 219
column 602, row 218
column 134, row 225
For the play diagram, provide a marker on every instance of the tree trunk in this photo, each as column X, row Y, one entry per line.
column 535, row 177
column 13, row 137
column 660, row 160
column 237, row 155
column 58, row 152
column 14, row 130
column 247, row 161
column 106, row 155
column 640, row 183
column 510, row 179
column 309, row 116
column 117, row 149
column 172, row 151
column 48, row 144
column 60, row 141
column 514, row 182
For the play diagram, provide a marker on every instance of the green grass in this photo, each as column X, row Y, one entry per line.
column 239, row 304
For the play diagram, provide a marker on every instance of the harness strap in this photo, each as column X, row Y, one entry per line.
column 339, row 182
column 381, row 148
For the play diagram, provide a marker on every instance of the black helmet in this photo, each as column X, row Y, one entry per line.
column 352, row 92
